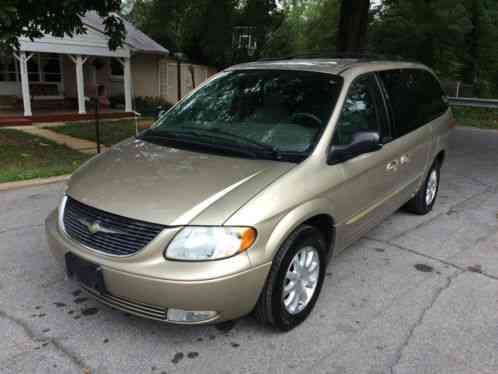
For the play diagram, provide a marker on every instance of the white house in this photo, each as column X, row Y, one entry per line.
column 61, row 73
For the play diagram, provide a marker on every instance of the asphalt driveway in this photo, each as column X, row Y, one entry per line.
column 417, row 295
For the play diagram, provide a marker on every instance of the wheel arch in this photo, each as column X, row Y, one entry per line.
column 310, row 213
column 440, row 157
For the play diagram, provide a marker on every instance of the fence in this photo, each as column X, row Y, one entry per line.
column 458, row 89
column 473, row 102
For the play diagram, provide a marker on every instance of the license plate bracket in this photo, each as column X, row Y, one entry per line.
column 86, row 272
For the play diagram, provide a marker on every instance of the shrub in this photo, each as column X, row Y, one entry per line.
column 151, row 106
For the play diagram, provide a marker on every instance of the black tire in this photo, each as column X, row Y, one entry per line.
column 270, row 309
column 418, row 204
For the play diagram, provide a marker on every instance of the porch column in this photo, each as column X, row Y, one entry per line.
column 80, row 82
column 127, row 83
column 26, row 97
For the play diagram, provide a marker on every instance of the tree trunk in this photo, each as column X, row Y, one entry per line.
column 353, row 25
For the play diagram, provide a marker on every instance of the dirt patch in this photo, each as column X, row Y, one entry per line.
column 475, row 268
column 192, row 354
column 89, row 311
column 424, row 268
column 177, row 357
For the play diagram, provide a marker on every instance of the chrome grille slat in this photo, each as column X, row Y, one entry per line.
column 99, row 236
column 113, row 225
column 119, row 220
column 114, row 236
column 90, row 243
column 133, row 234
column 147, row 311
column 114, row 222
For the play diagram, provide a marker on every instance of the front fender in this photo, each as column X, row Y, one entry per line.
column 275, row 231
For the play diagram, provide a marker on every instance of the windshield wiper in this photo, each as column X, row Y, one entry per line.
column 171, row 138
column 221, row 134
column 198, row 137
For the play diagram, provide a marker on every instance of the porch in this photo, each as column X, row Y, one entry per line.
column 57, row 79
column 13, row 117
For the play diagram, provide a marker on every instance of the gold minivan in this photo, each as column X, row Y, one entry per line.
column 236, row 198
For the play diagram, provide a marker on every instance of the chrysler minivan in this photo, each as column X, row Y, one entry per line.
column 236, row 199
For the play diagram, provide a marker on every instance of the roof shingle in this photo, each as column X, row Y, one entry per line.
column 134, row 37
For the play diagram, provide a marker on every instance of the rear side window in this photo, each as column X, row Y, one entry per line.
column 415, row 98
column 433, row 98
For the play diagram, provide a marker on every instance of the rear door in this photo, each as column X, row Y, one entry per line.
column 409, row 100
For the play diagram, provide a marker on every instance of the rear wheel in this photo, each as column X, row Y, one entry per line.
column 295, row 280
column 423, row 202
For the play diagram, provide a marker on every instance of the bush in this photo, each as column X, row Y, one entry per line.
column 151, row 106
column 148, row 106
column 484, row 118
column 117, row 102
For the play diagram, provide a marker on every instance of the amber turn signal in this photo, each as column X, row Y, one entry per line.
column 248, row 236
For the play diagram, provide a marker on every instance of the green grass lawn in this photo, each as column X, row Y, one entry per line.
column 24, row 156
column 111, row 132
column 483, row 118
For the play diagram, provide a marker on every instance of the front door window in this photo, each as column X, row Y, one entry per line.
column 359, row 112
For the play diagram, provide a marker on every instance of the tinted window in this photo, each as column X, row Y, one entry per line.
column 415, row 98
column 432, row 98
column 359, row 112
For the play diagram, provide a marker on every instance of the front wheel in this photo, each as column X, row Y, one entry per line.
column 424, row 200
column 294, row 281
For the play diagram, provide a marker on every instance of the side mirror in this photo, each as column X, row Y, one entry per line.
column 363, row 142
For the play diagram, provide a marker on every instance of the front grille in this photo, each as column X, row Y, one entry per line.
column 133, row 307
column 115, row 235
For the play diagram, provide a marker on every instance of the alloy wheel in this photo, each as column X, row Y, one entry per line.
column 301, row 280
column 431, row 189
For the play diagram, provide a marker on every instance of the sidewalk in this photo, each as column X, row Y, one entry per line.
column 32, row 182
column 77, row 144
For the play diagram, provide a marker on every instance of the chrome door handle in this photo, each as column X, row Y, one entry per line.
column 392, row 166
column 404, row 159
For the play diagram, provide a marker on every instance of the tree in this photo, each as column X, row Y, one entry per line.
column 430, row 31
column 353, row 23
column 321, row 28
column 480, row 57
column 262, row 17
column 200, row 29
column 308, row 26
column 25, row 18
column 203, row 29
column 164, row 21
column 208, row 32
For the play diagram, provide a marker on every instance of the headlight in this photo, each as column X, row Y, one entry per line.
column 210, row 243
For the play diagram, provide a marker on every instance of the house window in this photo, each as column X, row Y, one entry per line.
column 34, row 69
column 50, row 68
column 8, row 69
column 116, row 69
column 41, row 68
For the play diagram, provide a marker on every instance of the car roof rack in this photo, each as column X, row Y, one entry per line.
column 359, row 56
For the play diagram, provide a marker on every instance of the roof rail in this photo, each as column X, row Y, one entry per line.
column 362, row 56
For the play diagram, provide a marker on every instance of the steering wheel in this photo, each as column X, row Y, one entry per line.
column 304, row 115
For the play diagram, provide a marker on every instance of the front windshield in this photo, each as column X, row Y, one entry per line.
column 272, row 114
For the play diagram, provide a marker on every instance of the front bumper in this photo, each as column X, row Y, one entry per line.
column 148, row 285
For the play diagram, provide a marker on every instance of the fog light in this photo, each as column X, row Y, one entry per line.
column 178, row 315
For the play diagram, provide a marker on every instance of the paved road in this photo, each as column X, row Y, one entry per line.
column 417, row 295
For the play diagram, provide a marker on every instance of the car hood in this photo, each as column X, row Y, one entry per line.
column 154, row 183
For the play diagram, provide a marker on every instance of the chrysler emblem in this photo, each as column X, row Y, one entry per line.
column 95, row 227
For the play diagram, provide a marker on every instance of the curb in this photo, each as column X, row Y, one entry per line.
column 33, row 182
